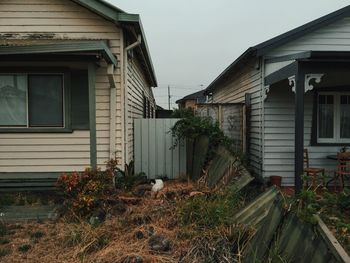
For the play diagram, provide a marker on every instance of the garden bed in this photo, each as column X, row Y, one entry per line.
column 185, row 222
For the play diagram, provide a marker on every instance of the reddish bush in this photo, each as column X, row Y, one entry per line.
column 84, row 190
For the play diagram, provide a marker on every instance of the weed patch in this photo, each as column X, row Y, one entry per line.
column 4, row 241
column 210, row 211
column 37, row 235
column 24, row 248
column 207, row 221
column 4, row 252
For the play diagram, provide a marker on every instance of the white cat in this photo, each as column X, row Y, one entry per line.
column 157, row 185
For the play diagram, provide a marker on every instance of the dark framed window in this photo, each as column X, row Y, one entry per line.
column 34, row 102
column 331, row 117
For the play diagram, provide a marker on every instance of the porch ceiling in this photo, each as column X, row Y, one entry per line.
column 80, row 47
column 313, row 62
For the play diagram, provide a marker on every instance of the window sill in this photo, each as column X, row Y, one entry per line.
column 36, row 130
column 330, row 144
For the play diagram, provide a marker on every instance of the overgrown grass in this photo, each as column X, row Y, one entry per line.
column 210, row 211
column 37, row 235
column 3, row 229
column 85, row 238
column 4, row 252
column 4, row 241
column 208, row 222
column 333, row 207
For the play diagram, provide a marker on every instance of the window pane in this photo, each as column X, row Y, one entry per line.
column 13, row 97
column 345, row 116
column 45, row 93
column 325, row 116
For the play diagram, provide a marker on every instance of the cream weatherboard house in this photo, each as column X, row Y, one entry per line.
column 73, row 76
column 296, row 87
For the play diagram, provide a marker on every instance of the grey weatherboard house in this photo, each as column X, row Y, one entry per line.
column 297, row 89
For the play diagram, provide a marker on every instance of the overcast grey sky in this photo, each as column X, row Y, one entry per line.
column 193, row 41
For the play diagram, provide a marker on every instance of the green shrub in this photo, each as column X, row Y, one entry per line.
column 83, row 191
column 191, row 126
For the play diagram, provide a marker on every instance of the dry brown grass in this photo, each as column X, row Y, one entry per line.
column 117, row 238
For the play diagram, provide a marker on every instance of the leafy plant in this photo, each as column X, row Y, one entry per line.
column 191, row 126
column 344, row 200
column 126, row 179
column 83, row 191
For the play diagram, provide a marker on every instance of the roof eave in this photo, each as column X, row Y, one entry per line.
column 116, row 15
column 249, row 53
column 135, row 21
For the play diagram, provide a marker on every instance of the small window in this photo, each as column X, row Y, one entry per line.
column 333, row 120
column 31, row 100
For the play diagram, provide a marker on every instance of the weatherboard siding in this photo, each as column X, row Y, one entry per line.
column 246, row 80
column 137, row 88
column 45, row 21
column 334, row 37
column 279, row 135
column 279, row 106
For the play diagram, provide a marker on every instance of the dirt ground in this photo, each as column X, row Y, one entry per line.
column 123, row 237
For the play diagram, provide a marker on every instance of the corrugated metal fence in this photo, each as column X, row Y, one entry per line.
column 154, row 154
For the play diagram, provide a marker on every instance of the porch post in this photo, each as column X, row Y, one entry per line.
column 299, row 127
column 92, row 115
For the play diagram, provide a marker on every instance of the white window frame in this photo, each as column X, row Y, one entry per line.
column 336, row 119
column 27, row 126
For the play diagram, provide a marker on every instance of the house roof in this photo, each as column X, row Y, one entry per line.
column 116, row 15
column 275, row 42
column 194, row 96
